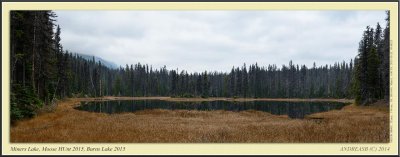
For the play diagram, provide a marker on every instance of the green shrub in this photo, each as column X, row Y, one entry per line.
column 24, row 102
column 187, row 95
column 204, row 96
column 15, row 112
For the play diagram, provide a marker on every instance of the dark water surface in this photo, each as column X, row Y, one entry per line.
column 292, row 109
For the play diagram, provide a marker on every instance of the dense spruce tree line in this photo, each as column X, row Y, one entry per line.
column 287, row 82
column 41, row 72
column 33, row 57
column 371, row 75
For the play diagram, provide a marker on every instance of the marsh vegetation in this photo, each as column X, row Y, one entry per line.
column 350, row 124
column 59, row 96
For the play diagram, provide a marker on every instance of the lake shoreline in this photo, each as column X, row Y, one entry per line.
column 294, row 109
column 108, row 98
column 350, row 124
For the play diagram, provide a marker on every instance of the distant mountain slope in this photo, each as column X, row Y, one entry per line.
column 105, row 62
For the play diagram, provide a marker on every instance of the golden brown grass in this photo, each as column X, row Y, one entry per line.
column 65, row 124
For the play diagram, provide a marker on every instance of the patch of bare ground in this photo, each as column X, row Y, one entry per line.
column 65, row 124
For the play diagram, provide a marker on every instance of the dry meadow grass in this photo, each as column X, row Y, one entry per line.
column 65, row 124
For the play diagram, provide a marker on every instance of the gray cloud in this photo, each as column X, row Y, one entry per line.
column 216, row 40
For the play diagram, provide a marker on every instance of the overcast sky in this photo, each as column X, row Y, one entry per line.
column 216, row 40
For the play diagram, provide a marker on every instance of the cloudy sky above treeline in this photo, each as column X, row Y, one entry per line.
column 216, row 40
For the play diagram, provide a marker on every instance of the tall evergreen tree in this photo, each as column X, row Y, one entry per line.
column 41, row 72
column 384, row 68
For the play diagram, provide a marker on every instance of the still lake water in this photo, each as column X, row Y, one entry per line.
column 292, row 109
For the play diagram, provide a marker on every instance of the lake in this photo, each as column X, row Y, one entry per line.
column 292, row 109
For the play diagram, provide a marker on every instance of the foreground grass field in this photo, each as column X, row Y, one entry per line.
column 65, row 124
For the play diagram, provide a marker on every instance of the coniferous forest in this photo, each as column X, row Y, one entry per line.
column 43, row 71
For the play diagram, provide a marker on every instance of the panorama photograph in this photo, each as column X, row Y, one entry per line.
column 206, row 76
